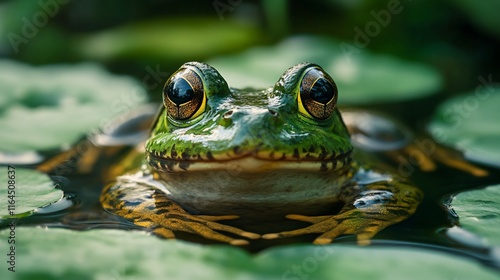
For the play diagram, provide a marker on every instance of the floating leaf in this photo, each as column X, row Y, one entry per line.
column 479, row 212
column 170, row 39
column 114, row 254
column 469, row 122
column 46, row 107
column 24, row 190
column 362, row 77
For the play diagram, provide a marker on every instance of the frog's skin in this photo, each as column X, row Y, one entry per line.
column 225, row 153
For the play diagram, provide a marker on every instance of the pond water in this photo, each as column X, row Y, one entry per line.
column 428, row 228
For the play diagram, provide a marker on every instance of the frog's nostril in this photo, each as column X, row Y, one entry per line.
column 274, row 113
column 228, row 114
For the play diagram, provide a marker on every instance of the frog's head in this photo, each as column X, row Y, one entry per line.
column 216, row 147
column 205, row 125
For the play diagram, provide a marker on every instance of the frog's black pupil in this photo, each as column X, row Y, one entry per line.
column 180, row 92
column 322, row 91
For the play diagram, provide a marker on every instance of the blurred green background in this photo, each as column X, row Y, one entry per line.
column 459, row 38
column 62, row 68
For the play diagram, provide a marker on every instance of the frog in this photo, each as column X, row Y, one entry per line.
column 216, row 154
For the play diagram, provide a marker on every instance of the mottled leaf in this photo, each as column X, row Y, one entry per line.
column 470, row 123
column 113, row 254
column 361, row 76
column 24, row 190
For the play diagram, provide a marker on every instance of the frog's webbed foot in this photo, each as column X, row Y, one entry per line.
column 205, row 226
column 332, row 226
column 367, row 211
column 374, row 132
column 152, row 209
column 426, row 156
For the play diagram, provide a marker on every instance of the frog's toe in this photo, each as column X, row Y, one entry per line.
column 217, row 218
column 328, row 237
column 208, row 229
column 308, row 219
column 365, row 238
column 209, row 233
column 234, row 230
column 316, row 228
column 163, row 232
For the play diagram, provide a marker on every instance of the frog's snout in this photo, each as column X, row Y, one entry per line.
column 239, row 113
column 251, row 115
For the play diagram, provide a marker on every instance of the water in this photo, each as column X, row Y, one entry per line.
column 432, row 227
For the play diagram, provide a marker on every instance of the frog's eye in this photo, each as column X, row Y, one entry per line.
column 184, row 96
column 318, row 94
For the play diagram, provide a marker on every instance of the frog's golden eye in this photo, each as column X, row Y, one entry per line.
column 318, row 94
column 184, row 96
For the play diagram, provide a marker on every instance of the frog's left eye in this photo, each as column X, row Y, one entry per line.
column 318, row 94
column 184, row 96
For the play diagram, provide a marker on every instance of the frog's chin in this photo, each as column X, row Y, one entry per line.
column 249, row 164
column 247, row 183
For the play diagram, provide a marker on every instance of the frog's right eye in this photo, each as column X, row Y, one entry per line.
column 318, row 94
column 184, row 95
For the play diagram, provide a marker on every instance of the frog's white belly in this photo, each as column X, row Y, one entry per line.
column 254, row 185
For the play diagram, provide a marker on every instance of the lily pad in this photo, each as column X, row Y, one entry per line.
column 469, row 123
column 170, row 39
column 25, row 190
column 114, row 254
column 479, row 212
column 362, row 77
column 47, row 107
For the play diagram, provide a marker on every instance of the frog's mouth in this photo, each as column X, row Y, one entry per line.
column 250, row 163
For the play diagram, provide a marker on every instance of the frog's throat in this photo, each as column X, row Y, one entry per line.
column 250, row 164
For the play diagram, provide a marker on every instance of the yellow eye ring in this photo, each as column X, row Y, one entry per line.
column 184, row 95
column 318, row 94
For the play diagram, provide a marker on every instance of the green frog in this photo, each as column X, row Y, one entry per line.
column 217, row 153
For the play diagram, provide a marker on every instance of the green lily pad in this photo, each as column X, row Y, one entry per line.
column 170, row 39
column 362, row 77
column 469, row 123
column 25, row 191
column 479, row 212
column 114, row 254
column 50, row 106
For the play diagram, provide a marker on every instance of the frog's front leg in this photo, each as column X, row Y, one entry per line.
column 369, row 208
column 149, row 207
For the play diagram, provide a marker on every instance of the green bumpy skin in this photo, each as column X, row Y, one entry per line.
column 226, row 153
column 264, row 123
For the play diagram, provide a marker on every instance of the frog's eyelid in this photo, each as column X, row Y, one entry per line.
column 213, row 82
